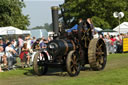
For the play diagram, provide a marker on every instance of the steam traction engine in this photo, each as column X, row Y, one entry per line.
column 71, row 52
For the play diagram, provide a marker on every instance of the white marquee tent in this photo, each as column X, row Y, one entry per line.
column 10, row 30
column 123, row 27
column 98, row 29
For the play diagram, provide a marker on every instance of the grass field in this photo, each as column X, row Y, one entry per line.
column 115, row 73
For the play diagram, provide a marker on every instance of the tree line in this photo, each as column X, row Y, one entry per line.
column 101, row 12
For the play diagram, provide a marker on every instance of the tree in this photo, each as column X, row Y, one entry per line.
column 11, row 14
column 38, row 27
column 46, row 26
column 101, row 11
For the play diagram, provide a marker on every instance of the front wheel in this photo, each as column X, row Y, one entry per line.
column 73, row 64
column 39, row 66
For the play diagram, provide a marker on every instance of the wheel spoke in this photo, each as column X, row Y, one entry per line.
column 74, row 65
column 97, row 44
column 73, row 69
column 99, row 47
column 100, row 53
column 101, row 60
column 71, row 63
column 77, row 61
column 71, row 66
column 76, row 68
column 72, row 60
column 100, row 66
column 97, row 63
column 74, row 57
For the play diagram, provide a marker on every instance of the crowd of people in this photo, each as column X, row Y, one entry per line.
column 22, row 48
column 114, row 43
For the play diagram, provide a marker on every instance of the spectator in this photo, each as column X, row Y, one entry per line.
column 101, row 36
column 119, row 44
column 33, row 40
column 28, row 41
column 25, row 55
column 43, row 43
column 49, row 39
column 36, row 45
column 15, row 43
column 96, row 35
column 1, row 68
column 2, row 44
column 10, row 49
column 12, row 44
column 3, row 57
column 20, row 43
column 6, row 41
column 10, row 52
column 112, row 44
column 107, row 42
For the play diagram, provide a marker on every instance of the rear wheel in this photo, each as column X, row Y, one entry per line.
column 39, row 66
column 73, row 64
column 97, row 55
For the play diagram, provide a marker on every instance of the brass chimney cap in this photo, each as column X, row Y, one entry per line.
column 54, row 7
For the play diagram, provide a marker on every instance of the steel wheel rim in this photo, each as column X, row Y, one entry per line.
column 74, row 64
column 100, row 55
column 40, row 59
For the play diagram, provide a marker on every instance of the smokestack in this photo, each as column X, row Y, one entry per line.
column 55, row 19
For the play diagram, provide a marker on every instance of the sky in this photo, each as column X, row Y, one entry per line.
column 39, row 11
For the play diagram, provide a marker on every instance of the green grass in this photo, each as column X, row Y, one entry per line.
column 113, row 77
column 115, row 73
column 12, row 73
column 117, row 56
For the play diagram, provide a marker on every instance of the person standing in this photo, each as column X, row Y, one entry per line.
column 20, row 43
column 28, row 41
column 33, row 40
column 107, row 42
column 112, row 44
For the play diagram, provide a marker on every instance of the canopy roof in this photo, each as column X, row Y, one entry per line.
column 123, row 27
column 97, row 29
column 10, row 30
column 108, row 30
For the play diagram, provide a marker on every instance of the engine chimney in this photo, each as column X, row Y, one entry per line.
column 55, row 19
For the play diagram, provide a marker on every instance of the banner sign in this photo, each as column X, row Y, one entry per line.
column 125, row 44
column 11, row 32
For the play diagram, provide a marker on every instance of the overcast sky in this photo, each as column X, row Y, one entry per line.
column 40, row 11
